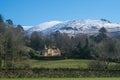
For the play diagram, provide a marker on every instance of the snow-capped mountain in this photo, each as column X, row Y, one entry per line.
column 75, row 26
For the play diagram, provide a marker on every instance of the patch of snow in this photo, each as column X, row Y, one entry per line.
column 44, row 26
column 27, row 27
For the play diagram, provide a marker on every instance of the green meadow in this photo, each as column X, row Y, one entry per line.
column 66, row 63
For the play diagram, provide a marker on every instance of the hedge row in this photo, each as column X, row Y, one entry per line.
column 42, row 72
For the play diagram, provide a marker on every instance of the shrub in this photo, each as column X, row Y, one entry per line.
column 97, row 65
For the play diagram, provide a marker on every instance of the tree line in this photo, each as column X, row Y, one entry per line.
column 79, row 46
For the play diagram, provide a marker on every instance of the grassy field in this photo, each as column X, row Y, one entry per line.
column 69, row 63
column 60, row 79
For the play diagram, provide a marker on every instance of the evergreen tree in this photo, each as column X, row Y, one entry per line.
column 1, row 19
column 103, row 30
column 36, row 41
column 9, row 21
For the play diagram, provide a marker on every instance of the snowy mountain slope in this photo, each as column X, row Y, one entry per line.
column 43, row 26
column 75, row 26
column 82, row 26
column 27, row 27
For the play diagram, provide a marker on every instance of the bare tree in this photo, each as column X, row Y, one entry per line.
column 107, row 51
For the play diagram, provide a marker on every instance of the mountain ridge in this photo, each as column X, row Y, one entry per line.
column 75, row 26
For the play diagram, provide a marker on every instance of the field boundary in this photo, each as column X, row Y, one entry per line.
column 60, row 73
